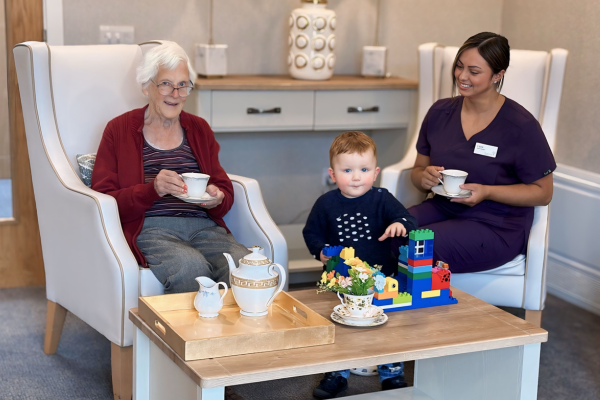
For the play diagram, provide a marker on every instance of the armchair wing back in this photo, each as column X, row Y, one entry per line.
column 68, row 94
column 534, row 80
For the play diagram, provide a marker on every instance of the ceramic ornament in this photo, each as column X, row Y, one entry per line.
column 312, row 41
column 373, row 61
column 211, row 59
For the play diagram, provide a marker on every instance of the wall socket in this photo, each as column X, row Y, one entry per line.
column 113, row 34
column 326, row 179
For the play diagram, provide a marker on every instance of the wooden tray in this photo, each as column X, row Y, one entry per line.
column 289, row 324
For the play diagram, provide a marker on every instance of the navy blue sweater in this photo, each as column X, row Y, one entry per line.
column 359, row 223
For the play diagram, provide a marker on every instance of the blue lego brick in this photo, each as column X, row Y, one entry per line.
column 427, row 250
column 423, row 303
column 418, row 270
column 383, row 302
column 416, row 286
column 403, row 257
column 342, row 268
column 331, row 251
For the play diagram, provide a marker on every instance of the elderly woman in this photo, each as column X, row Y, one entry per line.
column 503, row 149
column 139, row 160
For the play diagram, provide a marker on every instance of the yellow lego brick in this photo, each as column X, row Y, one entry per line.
column 391, row 285
column 386, row 295
column 430, row 293
column 347, row 253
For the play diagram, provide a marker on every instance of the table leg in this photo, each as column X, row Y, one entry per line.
column 211, row 394
column 501, row 374
column 141, row 365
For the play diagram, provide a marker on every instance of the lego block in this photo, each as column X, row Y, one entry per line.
column 386, row 295
column 418, row 270
column 332, row 263
column 384, row 302
column 342, row 268
column 403, row 257
column 430, row 293
column 440, row 279
column 331, row 251
column 420, row 275
column 416, row 286
column 421, row 249
column 421, row 234
column 391, row 285
column 420, row 263
column 347, row 253
column 403, row 298
column 402, row 265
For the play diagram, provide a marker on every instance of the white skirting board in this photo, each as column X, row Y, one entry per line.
column 574, row 250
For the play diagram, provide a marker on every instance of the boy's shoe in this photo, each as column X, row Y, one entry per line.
column 330, row 386
column 396, row 382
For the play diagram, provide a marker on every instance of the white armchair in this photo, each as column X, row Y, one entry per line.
column 534, row 80
column 68, row 95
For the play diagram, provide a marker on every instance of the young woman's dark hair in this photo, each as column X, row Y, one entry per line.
column 493, row 48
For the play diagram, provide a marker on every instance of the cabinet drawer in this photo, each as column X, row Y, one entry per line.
column 362, row 109
column 262, row 110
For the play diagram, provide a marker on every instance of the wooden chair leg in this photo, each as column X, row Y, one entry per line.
column 121, row 360
column 55, row 319
column 534, row 317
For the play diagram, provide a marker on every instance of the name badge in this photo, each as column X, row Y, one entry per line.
column 485, row 150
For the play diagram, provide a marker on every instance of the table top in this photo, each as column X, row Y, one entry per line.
column 469, row 326
column 285, row 82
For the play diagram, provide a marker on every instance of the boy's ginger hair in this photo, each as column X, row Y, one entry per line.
column 351, row 142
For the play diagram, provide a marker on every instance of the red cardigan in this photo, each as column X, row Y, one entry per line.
column 119, row 170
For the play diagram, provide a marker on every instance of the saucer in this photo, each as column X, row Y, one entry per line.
column 439, row 189
column 202, row 199
column 378, row 321
column 374, row 312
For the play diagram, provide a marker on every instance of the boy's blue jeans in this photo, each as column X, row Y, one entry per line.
column 385, row 371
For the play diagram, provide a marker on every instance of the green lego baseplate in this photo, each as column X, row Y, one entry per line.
column 421, row 234
column 402, row 298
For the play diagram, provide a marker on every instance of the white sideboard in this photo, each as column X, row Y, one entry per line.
column 280, row 103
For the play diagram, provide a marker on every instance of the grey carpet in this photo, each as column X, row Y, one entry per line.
column 6, row 198
column 570, row 361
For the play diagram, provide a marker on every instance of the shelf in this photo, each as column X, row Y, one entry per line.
column 284, row 82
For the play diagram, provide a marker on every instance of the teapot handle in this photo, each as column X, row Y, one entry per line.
column 282, row 278
column 224, row 287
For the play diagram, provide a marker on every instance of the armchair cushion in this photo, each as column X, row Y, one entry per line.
column 86, row 167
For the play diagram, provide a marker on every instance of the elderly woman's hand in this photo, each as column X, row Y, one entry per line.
column 213, row 191
column 478, row 194
column 169, row 182
column 431, row 177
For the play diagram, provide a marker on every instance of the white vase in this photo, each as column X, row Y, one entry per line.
column 312, row 41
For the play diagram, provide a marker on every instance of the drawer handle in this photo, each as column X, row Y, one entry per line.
column 251, row 110
column 363, row 110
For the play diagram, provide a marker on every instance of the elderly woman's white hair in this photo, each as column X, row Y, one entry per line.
column 167, row 55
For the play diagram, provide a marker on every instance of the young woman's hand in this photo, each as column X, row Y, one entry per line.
column 323, row 258
column 478, row 194
column 431, row 176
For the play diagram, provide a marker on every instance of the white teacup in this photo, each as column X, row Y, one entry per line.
column 356, row 305
column 452, row 179
column 196, row 183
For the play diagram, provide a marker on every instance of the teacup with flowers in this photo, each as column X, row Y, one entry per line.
column 356, row 288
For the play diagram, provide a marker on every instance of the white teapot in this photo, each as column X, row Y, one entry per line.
column 255, row 283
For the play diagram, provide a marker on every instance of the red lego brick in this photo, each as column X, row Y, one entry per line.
column 420, row 263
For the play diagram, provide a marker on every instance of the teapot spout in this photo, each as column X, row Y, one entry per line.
column 232, row 266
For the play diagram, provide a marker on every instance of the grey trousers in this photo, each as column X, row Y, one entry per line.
column 180, row 249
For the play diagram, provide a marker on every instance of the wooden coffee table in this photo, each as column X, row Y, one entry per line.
column 470, row 350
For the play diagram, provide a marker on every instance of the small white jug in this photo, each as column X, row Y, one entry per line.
column 208, row 300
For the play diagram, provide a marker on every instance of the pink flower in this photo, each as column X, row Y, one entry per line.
column 345, row 282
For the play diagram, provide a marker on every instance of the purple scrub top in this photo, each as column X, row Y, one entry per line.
column 523, row 156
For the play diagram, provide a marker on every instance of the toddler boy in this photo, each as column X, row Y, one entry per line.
column 361, row 216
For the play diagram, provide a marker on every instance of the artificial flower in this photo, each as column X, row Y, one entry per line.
column 379, row 281
column 354, row 261
column 324, row 277
column 363, row 277
column 330, row 275
column 332, row 282
column 345, row 282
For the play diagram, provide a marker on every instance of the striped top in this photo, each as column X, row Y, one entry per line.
column 180, row 160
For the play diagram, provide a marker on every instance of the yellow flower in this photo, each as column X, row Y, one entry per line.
column 324, row 277
column 353, row 261
column 332, row 282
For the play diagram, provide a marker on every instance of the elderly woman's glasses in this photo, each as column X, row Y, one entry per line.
column 166, row 88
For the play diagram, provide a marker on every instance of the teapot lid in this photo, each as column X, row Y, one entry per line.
column 255, row 258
